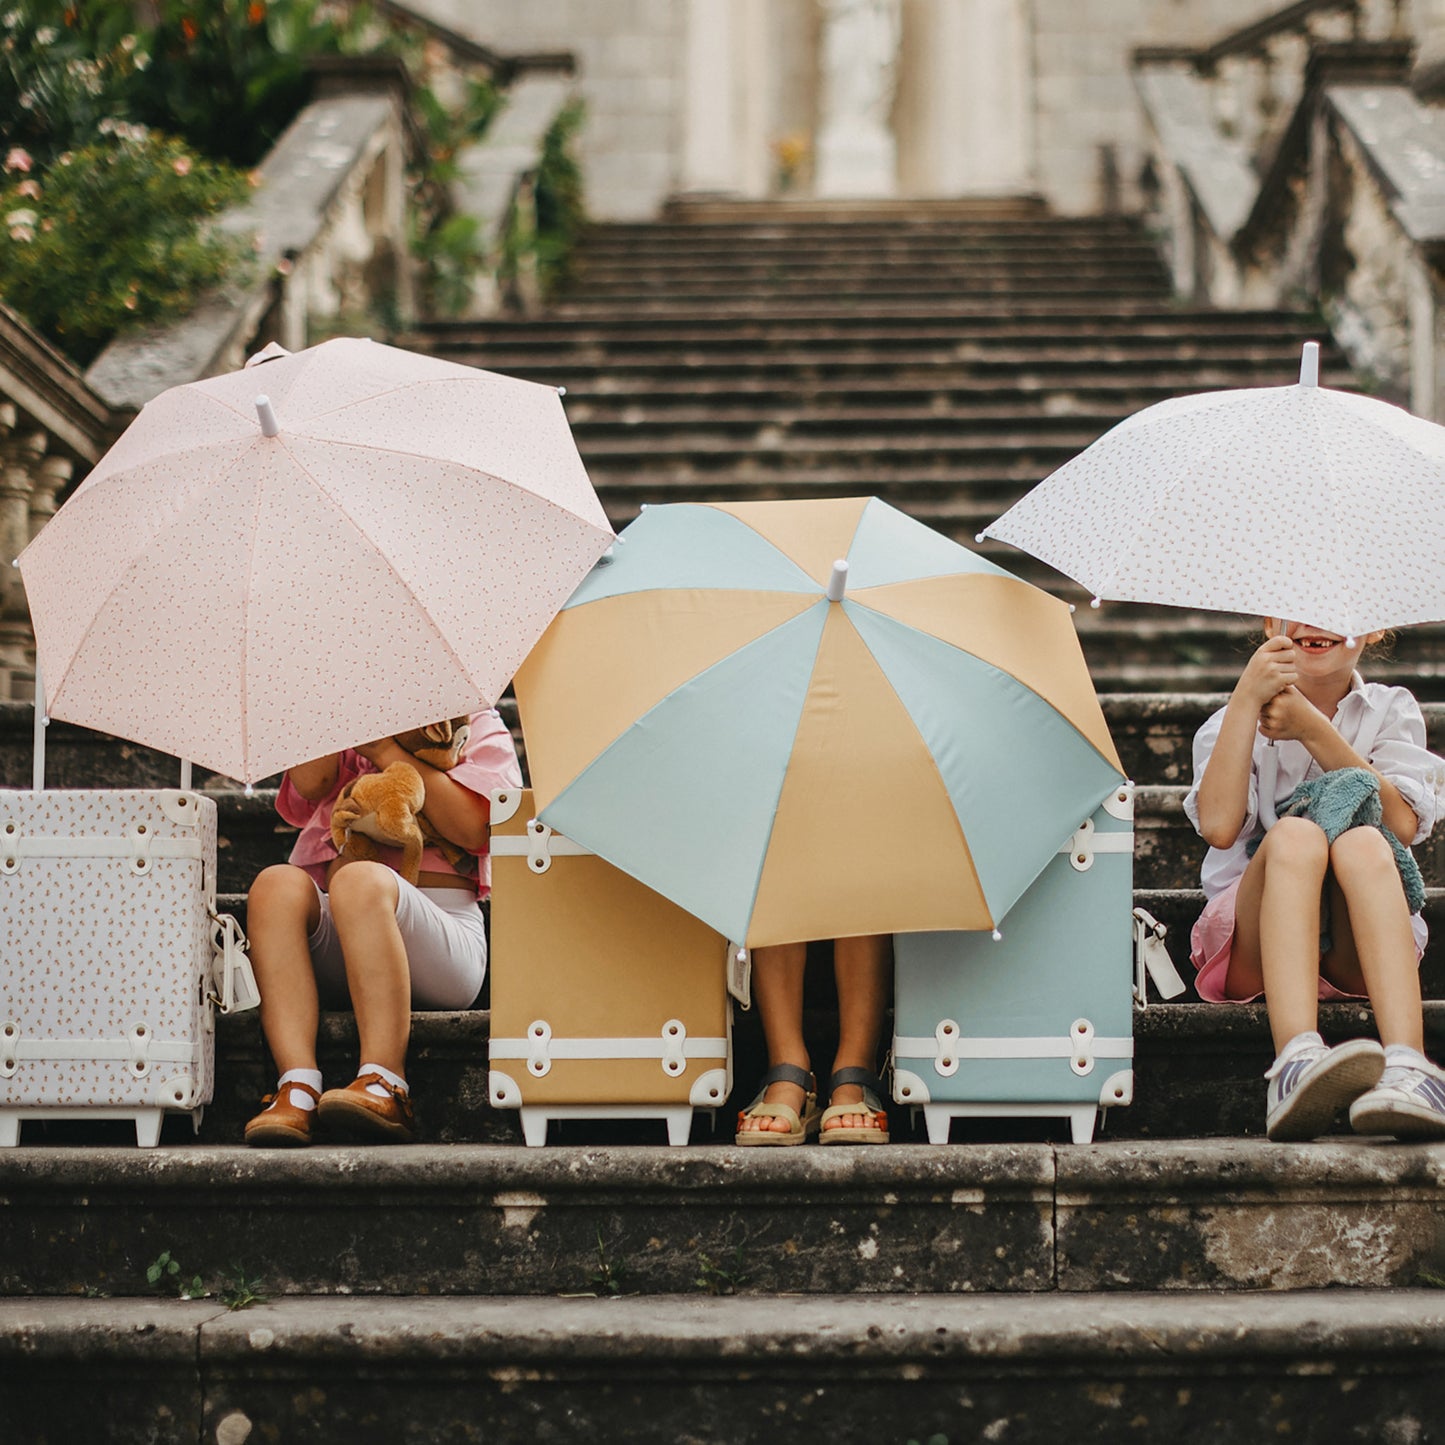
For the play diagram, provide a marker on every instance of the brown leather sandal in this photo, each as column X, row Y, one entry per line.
column 280, row 1124
column 363, row 1118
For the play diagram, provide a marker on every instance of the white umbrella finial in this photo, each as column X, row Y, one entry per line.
column 269, row 425
column 838, row 581
column 1309, row 364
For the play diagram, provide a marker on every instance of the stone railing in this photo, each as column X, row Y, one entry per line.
column 329, row 216
column 1292, row 163
column 329, row 221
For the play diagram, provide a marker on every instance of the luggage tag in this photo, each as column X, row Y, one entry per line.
column 1152, row 961
column 740, row 975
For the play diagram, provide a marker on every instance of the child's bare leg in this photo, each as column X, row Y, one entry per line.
column 1277, row 927
column 860, row 968
column 282, row 911
column 778, row 990
column 1373, row 948
column 363, row 907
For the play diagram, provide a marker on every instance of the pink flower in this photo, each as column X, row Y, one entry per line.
column 181, row 165
column 29, row 189
column 18, row 160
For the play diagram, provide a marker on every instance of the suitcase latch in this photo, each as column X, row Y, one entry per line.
column 1081, row 1038
column 945, row 1059
column 539, row 852
column 539, row 1038
column 1081, row 848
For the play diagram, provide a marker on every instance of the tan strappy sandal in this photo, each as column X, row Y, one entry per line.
column 800, row 1128
column 875, row 1131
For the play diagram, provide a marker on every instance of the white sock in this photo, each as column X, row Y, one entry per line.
column 1402, row 1054
column 395, row 1080
column 1307, row 1040
column 296, row 1097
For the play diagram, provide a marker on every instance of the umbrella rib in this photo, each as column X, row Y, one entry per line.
column 374, row 449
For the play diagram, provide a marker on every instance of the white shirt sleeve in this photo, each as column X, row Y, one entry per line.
column 1204, row 741
column 1399, row 754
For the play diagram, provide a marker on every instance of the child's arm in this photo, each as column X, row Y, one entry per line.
column 314, row 780
column 458, row 814
column 1224, row 786
column 1292, row 715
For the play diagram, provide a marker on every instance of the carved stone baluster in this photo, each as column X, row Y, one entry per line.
column 19, row 454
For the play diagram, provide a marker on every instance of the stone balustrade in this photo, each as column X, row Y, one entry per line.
column 330, row 218
column 1301, row 158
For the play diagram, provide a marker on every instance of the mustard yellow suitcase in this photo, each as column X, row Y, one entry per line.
column 608, row 1001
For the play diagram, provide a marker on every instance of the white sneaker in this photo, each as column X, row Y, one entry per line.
column 1308, row 1088
column 1408, row 1102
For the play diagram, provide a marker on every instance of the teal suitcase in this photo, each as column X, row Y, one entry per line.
column 1038, row 1021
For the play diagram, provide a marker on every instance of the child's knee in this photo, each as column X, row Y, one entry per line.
column 1362, row 851
column 362, row 886
column 1297, row 841
column 280, row 890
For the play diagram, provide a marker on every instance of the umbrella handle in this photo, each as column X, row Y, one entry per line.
column 1268, row 774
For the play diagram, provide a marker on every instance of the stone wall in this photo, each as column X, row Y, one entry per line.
column 994, row 96
column 630, row 69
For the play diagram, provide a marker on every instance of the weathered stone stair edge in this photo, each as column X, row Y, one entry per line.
column 494, row 1219
column 730, row 1370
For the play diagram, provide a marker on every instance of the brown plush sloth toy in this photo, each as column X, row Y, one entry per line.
column 385, row 808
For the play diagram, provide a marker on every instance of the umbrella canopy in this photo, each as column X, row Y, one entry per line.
column 250, row 581
column 707, row 717
column 1300, row 502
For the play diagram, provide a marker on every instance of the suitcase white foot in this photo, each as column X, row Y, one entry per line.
column 939, row 1119
column 1081, row 1124
column 679, row 1124
column 9, row 1129
column 148, row 1127
column 534, row 1127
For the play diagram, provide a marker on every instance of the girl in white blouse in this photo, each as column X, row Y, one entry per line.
column 1301, row 705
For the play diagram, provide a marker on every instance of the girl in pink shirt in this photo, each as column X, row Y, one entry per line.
column 327, row 931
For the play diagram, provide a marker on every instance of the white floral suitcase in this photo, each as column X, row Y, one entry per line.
column 1038, row 1021
column 113, row 959
column 607, row 1001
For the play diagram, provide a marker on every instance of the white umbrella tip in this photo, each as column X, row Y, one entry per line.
column 561, row 391
column 997, row 936
column 838, row 581
column 979, row 536
column 1095, row 603
column 266, row 413
column 1309, row 364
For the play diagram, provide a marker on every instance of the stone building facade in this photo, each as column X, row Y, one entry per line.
column 806, row 98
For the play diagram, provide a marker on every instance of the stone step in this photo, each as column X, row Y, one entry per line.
column 658, row 1370
column 1199, row 1068
column 701, row 291
column 1181, row 1215
column 1063, row 323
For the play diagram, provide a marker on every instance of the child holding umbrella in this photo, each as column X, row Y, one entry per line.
column 1325, row 904
column 356, row 933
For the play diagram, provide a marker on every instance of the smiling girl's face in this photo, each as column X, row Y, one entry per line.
column 1318, row 653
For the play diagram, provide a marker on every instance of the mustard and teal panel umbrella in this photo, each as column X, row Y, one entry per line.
column 814, row 719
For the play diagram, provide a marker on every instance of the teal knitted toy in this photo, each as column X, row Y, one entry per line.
column 1350, row 798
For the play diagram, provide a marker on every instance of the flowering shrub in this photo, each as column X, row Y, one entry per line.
column 60, row 78
column 230, row 75
column 113, row 234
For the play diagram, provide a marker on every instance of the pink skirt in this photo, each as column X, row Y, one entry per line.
column 1209, row 949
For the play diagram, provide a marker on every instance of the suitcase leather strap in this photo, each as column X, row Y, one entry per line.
column 142, row 848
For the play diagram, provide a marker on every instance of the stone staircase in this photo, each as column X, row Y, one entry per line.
column 1167, row 1280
